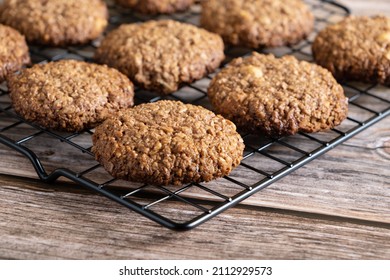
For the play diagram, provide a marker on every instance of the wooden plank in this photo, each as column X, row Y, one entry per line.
column 62, row 222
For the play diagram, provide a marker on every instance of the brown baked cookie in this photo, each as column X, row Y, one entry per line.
column 13, row 51
column 357, row 48
column 278, row 96
column 69, row 95
column 154, row 7
column 56, row 22
column 258, row 23
column 166, row 143
column 161, row 55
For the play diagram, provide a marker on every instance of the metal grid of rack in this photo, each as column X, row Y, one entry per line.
column 265, row 160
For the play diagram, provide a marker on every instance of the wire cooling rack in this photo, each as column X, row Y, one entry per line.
column 265, row 160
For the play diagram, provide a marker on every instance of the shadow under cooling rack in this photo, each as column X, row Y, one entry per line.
column 56, row 154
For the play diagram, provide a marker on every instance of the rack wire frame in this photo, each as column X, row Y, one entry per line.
column 284, row 155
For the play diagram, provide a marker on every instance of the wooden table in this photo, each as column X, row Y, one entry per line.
column 336, row 207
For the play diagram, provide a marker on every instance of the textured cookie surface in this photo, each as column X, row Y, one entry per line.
column 56, row 22
column 156, row 6
column 13, row 51
column 161, row 55
column 167, row 142
column 258, row 23
column 264, row 94
column 357, row 48
column 69, row 95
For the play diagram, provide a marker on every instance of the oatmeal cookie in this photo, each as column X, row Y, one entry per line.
column 154, row 7
column 161, row 55
column 69, row 95
column 166, row 143
column 56, row 22
column 278, row 96
column 357, row 48
column 258, row 23
column 13, row 51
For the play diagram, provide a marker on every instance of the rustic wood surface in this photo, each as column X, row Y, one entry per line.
column 336, row 207
column 48, row 222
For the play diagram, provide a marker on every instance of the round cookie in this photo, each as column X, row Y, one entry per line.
column 161, row 55
column 258, row 23
column 13, row 51
column 154, row 7
column 357, row 48
column 69, row 95
column 166, row 143
column 56, row 22
column 278, row 96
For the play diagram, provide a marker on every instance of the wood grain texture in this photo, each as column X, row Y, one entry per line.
column 336, row 207
column 57, row 222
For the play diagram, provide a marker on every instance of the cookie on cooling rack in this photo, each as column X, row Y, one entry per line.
column 161, row 55
column 69, row 95
column 166, row 143
column 13, row 51
column 258, row 23
column 56, row 22
column 357, row 48
column 153, row 7
column 278, row 96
